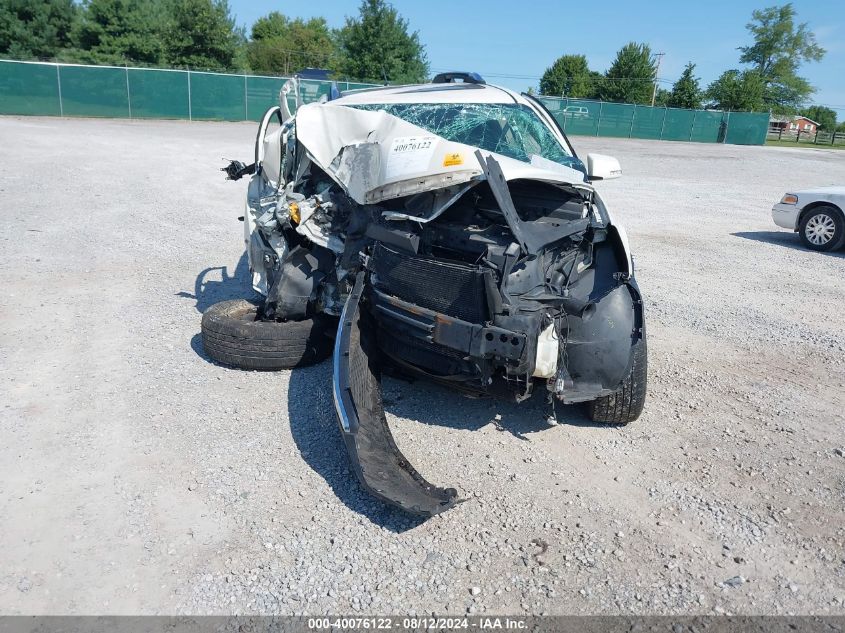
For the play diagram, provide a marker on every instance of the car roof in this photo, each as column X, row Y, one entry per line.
column 432, row 93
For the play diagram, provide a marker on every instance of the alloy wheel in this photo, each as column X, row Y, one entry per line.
column 820, row 229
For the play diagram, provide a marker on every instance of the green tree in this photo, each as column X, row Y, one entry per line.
column 841, row 127
column 630, row 78
column 270, row 26
column 281, row 45
column 686, row 92
column 738, row 90
column 569, row 76
column 780, row 46
column 35, row 29
column 202, row 34
column 825, row 117
column 596, row 83
column 376, row 46
column 118, row 31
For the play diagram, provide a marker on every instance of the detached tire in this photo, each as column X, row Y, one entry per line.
column 232, row 336
column 627, row 403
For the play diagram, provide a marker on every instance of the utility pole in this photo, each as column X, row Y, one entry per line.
column 659, row 57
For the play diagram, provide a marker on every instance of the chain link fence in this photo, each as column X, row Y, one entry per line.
column 602, row 118
column 42, row 88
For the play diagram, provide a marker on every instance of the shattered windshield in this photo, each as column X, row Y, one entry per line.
column 510, row 129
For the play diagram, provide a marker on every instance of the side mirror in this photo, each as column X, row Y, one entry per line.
column 601, row 167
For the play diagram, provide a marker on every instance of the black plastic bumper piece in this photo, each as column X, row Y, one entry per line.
column 381, row 468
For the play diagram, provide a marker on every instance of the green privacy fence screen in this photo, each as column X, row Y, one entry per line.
column 600, row 118
column 134, row 93
column 41, row 88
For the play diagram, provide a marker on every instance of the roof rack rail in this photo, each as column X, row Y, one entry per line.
column 455, row 77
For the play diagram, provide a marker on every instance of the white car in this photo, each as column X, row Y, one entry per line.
column 818, row 215
column 576, row 111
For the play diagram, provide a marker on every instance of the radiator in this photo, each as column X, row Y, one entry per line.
column 450, row 288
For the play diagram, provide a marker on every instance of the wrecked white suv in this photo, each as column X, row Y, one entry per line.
column 445, row 230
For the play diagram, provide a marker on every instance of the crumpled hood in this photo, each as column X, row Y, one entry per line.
column 376, row 156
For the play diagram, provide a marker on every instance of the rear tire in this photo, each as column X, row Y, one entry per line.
column 626, row 404
column 822, row 229
column 231, row 335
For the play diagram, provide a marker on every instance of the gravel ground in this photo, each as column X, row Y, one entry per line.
column 138, row 477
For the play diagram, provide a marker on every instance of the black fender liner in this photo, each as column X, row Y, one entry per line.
column 601, row 341
column 600, row 345
column 379, row 465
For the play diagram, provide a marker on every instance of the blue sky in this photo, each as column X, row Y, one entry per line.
column 512, row 42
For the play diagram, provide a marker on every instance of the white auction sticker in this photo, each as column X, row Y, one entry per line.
column 409, row 155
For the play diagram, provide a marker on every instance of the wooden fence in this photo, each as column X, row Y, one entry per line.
column 815, row 137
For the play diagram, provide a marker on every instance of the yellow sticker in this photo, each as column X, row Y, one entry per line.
column 453, row 159
column 294, row 212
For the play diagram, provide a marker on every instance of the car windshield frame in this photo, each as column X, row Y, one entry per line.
column 513, row 130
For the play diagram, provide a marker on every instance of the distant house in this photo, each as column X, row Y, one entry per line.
column 796, row 124
column 803, row 124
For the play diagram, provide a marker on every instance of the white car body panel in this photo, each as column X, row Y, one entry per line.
column 824, row 193
column 788, row 215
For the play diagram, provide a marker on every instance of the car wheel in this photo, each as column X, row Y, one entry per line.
column 232, row 335
column 822, row 229
column 626, row 404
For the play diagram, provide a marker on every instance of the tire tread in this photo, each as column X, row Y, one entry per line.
column 231, row 338
column 626, row 404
